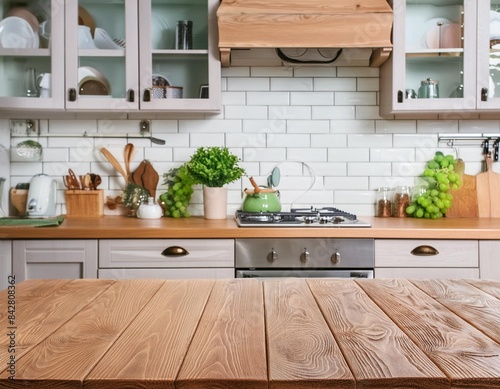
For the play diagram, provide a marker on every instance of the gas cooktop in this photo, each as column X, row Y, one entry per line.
column 300, row 217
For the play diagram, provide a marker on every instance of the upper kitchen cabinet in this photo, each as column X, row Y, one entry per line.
column 433, row 64
column 109, row 55
column 31, row 51
column 179, row 59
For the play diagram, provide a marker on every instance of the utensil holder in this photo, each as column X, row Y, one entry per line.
column 84, row 202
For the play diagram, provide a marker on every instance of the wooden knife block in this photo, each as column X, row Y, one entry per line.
column 84, row 202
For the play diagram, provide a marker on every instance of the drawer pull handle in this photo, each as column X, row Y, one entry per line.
column 174, row 251
column 424, row 251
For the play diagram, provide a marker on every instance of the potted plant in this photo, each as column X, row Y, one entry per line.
column 214, row 167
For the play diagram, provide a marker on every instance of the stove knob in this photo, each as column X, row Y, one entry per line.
column 272, row 256
column 304, row 257
column 335, row 258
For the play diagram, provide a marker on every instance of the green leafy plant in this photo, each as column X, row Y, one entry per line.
column 214, row 166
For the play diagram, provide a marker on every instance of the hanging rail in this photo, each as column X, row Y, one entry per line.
column 486, row 139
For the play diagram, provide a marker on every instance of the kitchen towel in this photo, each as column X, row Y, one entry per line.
column 28, row 222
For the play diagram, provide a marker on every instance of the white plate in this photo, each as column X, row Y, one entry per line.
column 102, row 40
column 161, row 36
column 16, row 33
column 431, row 32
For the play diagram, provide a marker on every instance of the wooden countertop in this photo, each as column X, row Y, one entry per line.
column 117, row 227
column 244, row 333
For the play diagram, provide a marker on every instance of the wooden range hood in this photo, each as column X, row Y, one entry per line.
column 246, row 24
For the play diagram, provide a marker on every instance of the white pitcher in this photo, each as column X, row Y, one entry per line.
column 44, row 81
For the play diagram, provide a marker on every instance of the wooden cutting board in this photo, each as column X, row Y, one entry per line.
column 488, row 191
column 465, row 202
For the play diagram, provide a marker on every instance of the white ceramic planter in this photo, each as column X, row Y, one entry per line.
column 215, row 203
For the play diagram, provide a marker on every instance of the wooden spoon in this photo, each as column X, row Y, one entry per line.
column 114, row 162
column 129, row 149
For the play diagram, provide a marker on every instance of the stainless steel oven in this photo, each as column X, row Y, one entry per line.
column 304, row 257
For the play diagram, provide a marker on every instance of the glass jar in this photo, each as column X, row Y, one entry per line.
column 383, row 204
column 402, row 200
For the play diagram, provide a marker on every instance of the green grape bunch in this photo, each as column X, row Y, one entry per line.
column 442, row 174
column 178, row 195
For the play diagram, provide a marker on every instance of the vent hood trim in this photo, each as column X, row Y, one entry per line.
column 247, row 24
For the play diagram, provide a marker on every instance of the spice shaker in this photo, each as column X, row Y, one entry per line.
column 383, row 205
column 402, row 200
column 184, row 35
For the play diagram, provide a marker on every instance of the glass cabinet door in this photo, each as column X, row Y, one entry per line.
column 31, row 54
column 488, row 51
column 101, row 55
column 179, row 61
column 437, row 64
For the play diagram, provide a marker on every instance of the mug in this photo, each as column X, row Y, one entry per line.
column 44, row 82
column 85, row 40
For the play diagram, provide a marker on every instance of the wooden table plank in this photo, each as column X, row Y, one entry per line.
column 379, row 354
column 228, row 348
column 466, row 355
column 151, row 350
column 42, row 307
column 302, row 349
column 478, row 308
column 68, row 355
column 488, row 286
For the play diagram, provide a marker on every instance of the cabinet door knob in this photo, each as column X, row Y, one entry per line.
column 335, row 258
column 147, row 95
column 174, row 251
column 72, row 94
column 272, row 256
column 400, row 96
column 484, row 94
column 131, row 95
column 424, row 251
column 304, row 257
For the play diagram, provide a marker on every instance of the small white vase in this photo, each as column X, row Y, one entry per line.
column 215, row 203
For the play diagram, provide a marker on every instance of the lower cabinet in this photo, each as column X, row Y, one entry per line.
column 396, row 258
column 166, row 258
column 489, row 259
column 54, row 259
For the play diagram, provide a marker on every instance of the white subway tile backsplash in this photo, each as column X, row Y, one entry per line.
column 312, row 98
column 268, row 98
column 309, row 121
column 292, row 84
column 308, row 126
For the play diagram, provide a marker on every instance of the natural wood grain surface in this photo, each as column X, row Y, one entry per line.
column 228, row 347
column 473, row 305
column 70, row 352
column 465, row 202
column 152, row 348
column 122, row 227
column 302, row 350
column 467, row 356
column 488, row 189
column 246, row 333
column 42, row 307
column 378, row 352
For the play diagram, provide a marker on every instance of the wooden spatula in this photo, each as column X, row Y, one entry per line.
column 150, row 179
column 137, row 174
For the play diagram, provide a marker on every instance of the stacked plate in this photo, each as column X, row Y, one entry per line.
column 18, row 32
column 92, row 82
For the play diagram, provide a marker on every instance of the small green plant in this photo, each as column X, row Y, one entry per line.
column 214, row 167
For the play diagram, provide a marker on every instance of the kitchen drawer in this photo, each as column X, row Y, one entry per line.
column 147, row 253
column 177, row 274
column 450, row 253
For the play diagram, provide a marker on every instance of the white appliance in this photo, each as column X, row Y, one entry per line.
column 41, row 197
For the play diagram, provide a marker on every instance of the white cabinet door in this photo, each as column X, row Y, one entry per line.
column 489, row 260
column 191, row 71
column 437, row 40
column 54, row 259
column 27, row 50
column 5, row 262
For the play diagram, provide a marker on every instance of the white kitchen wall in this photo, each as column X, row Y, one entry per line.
column 320, row 125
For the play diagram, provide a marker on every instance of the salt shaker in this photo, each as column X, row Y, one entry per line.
column 383, row 205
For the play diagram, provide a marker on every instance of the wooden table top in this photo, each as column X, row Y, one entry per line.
column 245, row 333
